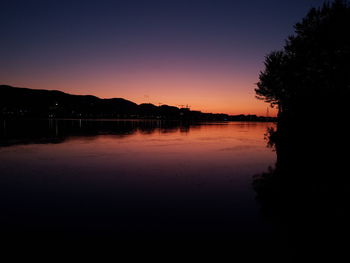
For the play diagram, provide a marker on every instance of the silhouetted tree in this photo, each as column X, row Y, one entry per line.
column 311, row 75
column 307, row 193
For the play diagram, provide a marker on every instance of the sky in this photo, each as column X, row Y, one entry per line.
column 201, row 53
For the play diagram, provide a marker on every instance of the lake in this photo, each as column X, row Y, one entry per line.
column 132, row 179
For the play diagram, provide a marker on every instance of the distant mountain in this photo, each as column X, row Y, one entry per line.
column 31, row 103
column 52, row 103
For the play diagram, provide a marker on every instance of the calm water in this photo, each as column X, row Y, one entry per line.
column 140, row 179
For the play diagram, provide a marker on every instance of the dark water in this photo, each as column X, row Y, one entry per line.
column 132, row 179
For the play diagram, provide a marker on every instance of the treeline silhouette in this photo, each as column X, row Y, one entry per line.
column 31, row 103
column 306, row 194
column 309, row 79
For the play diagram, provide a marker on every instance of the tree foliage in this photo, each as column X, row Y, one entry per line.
column 312, row 71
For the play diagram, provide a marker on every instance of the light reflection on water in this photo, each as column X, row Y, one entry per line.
column 139, row 178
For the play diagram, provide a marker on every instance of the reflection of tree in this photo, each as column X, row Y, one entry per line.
column 307, row 191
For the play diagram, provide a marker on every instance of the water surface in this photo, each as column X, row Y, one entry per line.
column 138, row 179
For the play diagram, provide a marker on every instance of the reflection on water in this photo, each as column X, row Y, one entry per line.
column 306, row 194
column 127, row 179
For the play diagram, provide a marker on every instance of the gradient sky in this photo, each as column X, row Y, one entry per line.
column 206, row 54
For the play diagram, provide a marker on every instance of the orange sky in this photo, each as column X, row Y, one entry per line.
column 206, row 54
column 216, row 91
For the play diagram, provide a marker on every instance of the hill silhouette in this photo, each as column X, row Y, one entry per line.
column 32, row 103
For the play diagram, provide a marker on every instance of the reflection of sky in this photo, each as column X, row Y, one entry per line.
column 198, row 180
column 215, row 144
column 203, row 53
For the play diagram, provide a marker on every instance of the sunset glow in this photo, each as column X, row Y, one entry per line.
column 163, row 52
column 175, row 127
